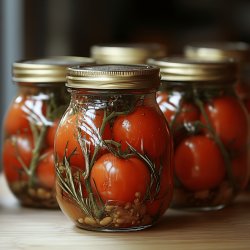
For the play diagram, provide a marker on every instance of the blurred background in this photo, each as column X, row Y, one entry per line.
column 69, row 27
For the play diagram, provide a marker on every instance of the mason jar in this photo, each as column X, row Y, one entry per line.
column 127, row 53
column 210, row 128
column 240, row 52
column 29, row 128
column 113, row 149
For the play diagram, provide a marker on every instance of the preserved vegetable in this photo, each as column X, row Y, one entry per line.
column 210, row 128
column 30, row 125
column 113, row 149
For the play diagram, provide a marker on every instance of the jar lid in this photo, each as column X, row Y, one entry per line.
column 240, row 51
column 131, row 53
column 113, row 76
column 195, row 70
column 46, row 70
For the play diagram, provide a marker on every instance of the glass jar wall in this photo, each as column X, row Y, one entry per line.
column 113, row 149
column 240, row 52
column 29, row 128
column 210, row 128
column 131, row 53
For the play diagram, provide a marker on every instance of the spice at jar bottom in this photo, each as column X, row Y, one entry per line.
column 210, row 129
column 113, row 149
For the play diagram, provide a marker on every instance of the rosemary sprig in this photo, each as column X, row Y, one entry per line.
column 85, row 149
column 38, row 142
column 36, row 154
column 68, row 186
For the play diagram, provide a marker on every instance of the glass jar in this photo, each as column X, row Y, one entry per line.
column 240, row 52
column 29, row 128
column 210, row 129
column 113, row 149
column 131, row 53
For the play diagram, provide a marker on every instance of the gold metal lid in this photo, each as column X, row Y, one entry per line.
column 181, row 69
column 46, row 70
column 114, row 77
column 240, row 51
column 131, row 53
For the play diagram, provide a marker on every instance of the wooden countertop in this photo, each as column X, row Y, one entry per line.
column 25, row 228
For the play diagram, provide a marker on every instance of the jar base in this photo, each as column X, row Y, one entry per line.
column 110, row 230
column 35, row 197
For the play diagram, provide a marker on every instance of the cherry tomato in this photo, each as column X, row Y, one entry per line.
column 16, row 117
column 51, row 132
column 21, row 113
column 45, row 171
column 17, row 149
column 117, row 179
column 199, row 164
column 144, row 129
column 229, row 119
column 66, row 142
column 89, row 126
column 189, row 113
column 169, row 106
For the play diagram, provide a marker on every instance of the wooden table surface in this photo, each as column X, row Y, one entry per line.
column 25, row 228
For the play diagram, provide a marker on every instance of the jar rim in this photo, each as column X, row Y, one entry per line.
column 114, row 76
column 126, row 53
column 195, row 70
column 239, row 51
column 49, row 69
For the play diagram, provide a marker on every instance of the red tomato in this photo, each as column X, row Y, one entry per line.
column 189, row 113
column 64, row 199
column 21, row 113
column 51, row 132
column 119, row 179
column 169, row 106
column 15, row 148
column 240, row 170
column 199, row 164
column 89, row 124
column 144, row 129
column 66, row 142
column 229, row 119
column 45, row 171
column 16, row 117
